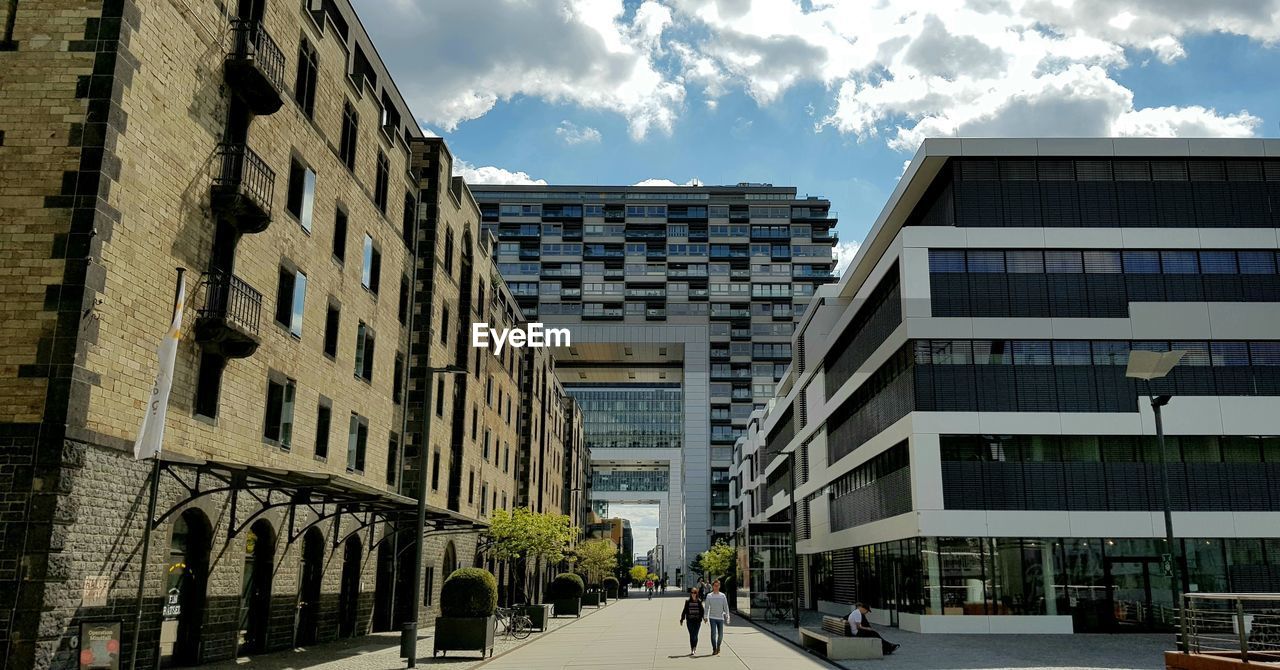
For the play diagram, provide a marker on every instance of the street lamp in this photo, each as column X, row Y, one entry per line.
column 1148, row 365
column 409, row 633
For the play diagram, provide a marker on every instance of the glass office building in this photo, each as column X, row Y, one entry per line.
column 969, row 455
column 695, row 288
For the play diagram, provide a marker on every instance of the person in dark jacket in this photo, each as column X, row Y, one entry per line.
column 692, row 615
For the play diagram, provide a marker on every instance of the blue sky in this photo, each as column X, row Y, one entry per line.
column 830, row 96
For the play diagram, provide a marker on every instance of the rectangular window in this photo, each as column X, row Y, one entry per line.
column 444, row 325
column 304, row 85
column 397, row 380
column 484, row 498
column 382, row 179
column 340, row 236
column 324, row 418
column 364, row 353
column 302, row 193
column 290, row 296
column 332, row 319
column 209, row 384
column 407, row 228
column 440, row 396
column 357, row 441
column 475, row 417
column 487, row 437
column 471, row 487
column 435, row 471
column 428, row 582
column 279, row 425
column 393, row 458
column 350, row 132
column 402, row 310
column 372, row 266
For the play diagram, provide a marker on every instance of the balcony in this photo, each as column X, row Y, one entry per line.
column 227, row 324
column 254, row 67
column 243, row 188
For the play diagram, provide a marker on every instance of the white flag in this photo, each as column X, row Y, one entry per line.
column 151, row 434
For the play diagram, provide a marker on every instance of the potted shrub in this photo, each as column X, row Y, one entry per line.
column 592, row 597
column 565, row 593
column 611, row 587
column 468, row 599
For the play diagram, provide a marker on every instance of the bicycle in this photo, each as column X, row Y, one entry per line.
column 515, row 622
column 777, row 611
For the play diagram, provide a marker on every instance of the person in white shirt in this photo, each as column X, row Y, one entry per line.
column 861, row 627
column 717, row 613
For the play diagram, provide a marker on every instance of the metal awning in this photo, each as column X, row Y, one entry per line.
column 327, row 496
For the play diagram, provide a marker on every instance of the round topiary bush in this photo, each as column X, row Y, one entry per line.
column 566, row 585
column 469, row 592
column 610, row 583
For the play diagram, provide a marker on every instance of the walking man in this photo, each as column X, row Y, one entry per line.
column 717, row 608
column 861, row 627
column 692, row 615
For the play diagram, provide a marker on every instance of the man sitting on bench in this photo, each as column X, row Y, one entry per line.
column 861, row 627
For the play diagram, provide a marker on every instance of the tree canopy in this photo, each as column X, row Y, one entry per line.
column 717, row 560
column 595, row 558
column 521, row 533
column 639, row 572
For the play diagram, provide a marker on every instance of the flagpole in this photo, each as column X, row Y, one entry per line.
column 151, row 514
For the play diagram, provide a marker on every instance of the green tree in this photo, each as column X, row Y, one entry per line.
column 596, row 558
column 638, row 573
column 523, row 535
column 717, row 561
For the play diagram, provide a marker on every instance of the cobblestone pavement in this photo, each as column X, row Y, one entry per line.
column 1042, row 652
column 381, row 651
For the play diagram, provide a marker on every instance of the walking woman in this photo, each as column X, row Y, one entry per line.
column 692, row 615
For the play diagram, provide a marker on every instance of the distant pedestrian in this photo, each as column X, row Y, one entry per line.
column 692, row 615
column 664, row 583
column 717, row 608
column 861, row 627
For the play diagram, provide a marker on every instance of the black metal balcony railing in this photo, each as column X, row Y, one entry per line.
column 231, row 299
column 245, row 184
column 256, row 66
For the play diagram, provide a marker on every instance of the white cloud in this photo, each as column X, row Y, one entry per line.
column 455, row 59
column 894, row 70
column 573, row 133
column 490, row 174
column 667, row 182
column 907, row 70
column 844, row 252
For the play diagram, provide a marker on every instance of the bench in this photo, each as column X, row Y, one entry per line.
column 835, row 644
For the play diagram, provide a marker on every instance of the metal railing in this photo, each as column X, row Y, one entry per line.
column 1235, row 625
column 231, row 299
column 251, row 42
column 244, row 172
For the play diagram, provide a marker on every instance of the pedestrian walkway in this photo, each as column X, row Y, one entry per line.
column 643, row 634
column 1041, row 652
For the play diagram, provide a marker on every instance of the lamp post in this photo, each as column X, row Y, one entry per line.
column 1148, row 365
column 409, row 633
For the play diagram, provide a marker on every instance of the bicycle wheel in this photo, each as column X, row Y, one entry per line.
column 521, row 627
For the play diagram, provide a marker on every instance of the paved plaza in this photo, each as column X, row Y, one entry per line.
column 641, row 634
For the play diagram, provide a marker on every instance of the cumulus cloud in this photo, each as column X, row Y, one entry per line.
column 895, row 70
column 490, row 174
column 454, row 60
column 573, row 133
column 667, row 182
column 844, row 252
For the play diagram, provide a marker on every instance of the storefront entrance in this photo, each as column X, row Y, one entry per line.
column 349, row 595
column 308, row 621
column 185, row 590
column 255, row 602
column 1138, row 595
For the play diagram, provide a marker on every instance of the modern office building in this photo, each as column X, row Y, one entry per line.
column 269, row 153
column 681, row 302
column 968, row 454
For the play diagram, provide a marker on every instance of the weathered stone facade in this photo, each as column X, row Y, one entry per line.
column 119, row 123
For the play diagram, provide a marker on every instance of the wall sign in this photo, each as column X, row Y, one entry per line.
column 100, row 646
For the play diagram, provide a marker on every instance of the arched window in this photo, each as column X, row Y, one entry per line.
column 450, row 560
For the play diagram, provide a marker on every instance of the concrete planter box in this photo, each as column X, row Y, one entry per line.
column 591, row 599
column 567, row 606
column 464, row 634
column 538, row 614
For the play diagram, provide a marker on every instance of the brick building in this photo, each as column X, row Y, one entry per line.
column 264, row 148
